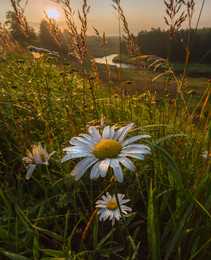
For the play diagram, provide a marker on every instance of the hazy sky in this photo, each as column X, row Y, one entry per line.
column 140, row 14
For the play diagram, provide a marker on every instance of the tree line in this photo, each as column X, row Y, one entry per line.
column 153, row 42
column 157, row 42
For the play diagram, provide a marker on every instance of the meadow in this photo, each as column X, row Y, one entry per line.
column 67, row 130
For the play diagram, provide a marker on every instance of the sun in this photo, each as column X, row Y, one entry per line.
column 52, row 13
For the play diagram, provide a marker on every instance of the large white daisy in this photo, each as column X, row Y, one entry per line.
column 109, row 207
column 39, row 155
column 110, row 149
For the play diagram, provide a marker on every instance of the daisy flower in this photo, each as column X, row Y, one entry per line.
column 109, row 207
column 110, row 149
column 39, row 155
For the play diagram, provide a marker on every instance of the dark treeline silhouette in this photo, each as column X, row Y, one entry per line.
column 156, row 42
column 153, row 42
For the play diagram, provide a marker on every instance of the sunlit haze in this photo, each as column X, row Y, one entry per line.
column 52, row 13
column 140, row 14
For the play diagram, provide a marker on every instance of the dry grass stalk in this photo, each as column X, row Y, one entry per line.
column 132, row 47
column 102, row 39
column 20, row 17
column 94, row 66
column 53, row 29
column 78, row 46
column 172, row 10
column 6, row 39
column 104, row 44
column 190, row 11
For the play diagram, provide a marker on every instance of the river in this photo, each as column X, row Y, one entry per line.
column 110, row 58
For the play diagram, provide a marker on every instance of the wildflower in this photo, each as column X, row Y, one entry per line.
column 54, row 54
column 206, row 155
column 109, row 207
column 20, row 61
column 39, row 155
column 110, row 149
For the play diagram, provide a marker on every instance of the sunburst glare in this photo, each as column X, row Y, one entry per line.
column 52, row 13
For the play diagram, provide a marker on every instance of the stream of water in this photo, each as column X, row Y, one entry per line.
column 110, row 58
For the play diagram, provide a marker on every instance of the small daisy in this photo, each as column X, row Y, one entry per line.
column 109, row 207
column 39, row 155
column 110, row 149
column 206, row 155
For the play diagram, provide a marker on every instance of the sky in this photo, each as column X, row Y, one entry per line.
column 140, row 14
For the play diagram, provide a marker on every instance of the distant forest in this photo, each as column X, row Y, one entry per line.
column 153, row 42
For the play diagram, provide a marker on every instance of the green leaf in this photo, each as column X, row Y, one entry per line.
column 164, row 138
column 36, row 248
column 105, row 238
column 49, row 233
column 54, row 253
column 2, row 196
column 72, row 233
column 66, row 223
column 176, row 237
column 151, row 230
column 173, row 165
column 109, row 251
column 13, row 256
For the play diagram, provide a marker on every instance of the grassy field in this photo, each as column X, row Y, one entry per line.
column 102, row 163
column 45, row 217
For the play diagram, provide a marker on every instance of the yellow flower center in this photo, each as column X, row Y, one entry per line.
column 107, row 149
column 112, row 205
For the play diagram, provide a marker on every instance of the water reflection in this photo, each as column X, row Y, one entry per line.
column 110, row 58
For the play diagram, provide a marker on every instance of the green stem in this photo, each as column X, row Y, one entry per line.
column 122, row 216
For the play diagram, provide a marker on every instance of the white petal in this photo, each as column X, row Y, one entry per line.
column 95, row 133
column 141, row 146
column 120, row 134
column 49, row 156
column 106, row 215
column 134, row 138
column 90, row 138
column 37, row 157
column 100, row 205
column 127, row 163
column 74, row 149
column 82, row 141
column 104, row 167
column 120, row 197
column 112, row 132
column 113, row 221
column 30, row 170
column 95, row 172
column 82, row 166
column 134, row 150
column 107, row 198
column 117, row 169
column 27, row 159
column 29, row 154
column 125, row 131
column 135, row 155
column 101, row 211
column 75, row 155
column 125, row 208
column 117, row 214
column 111, row 214
column 106, row 132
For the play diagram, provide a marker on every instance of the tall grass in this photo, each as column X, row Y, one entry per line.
column 53, row 216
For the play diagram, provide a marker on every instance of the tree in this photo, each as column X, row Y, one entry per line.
column 45, row 38
column 16, row 32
